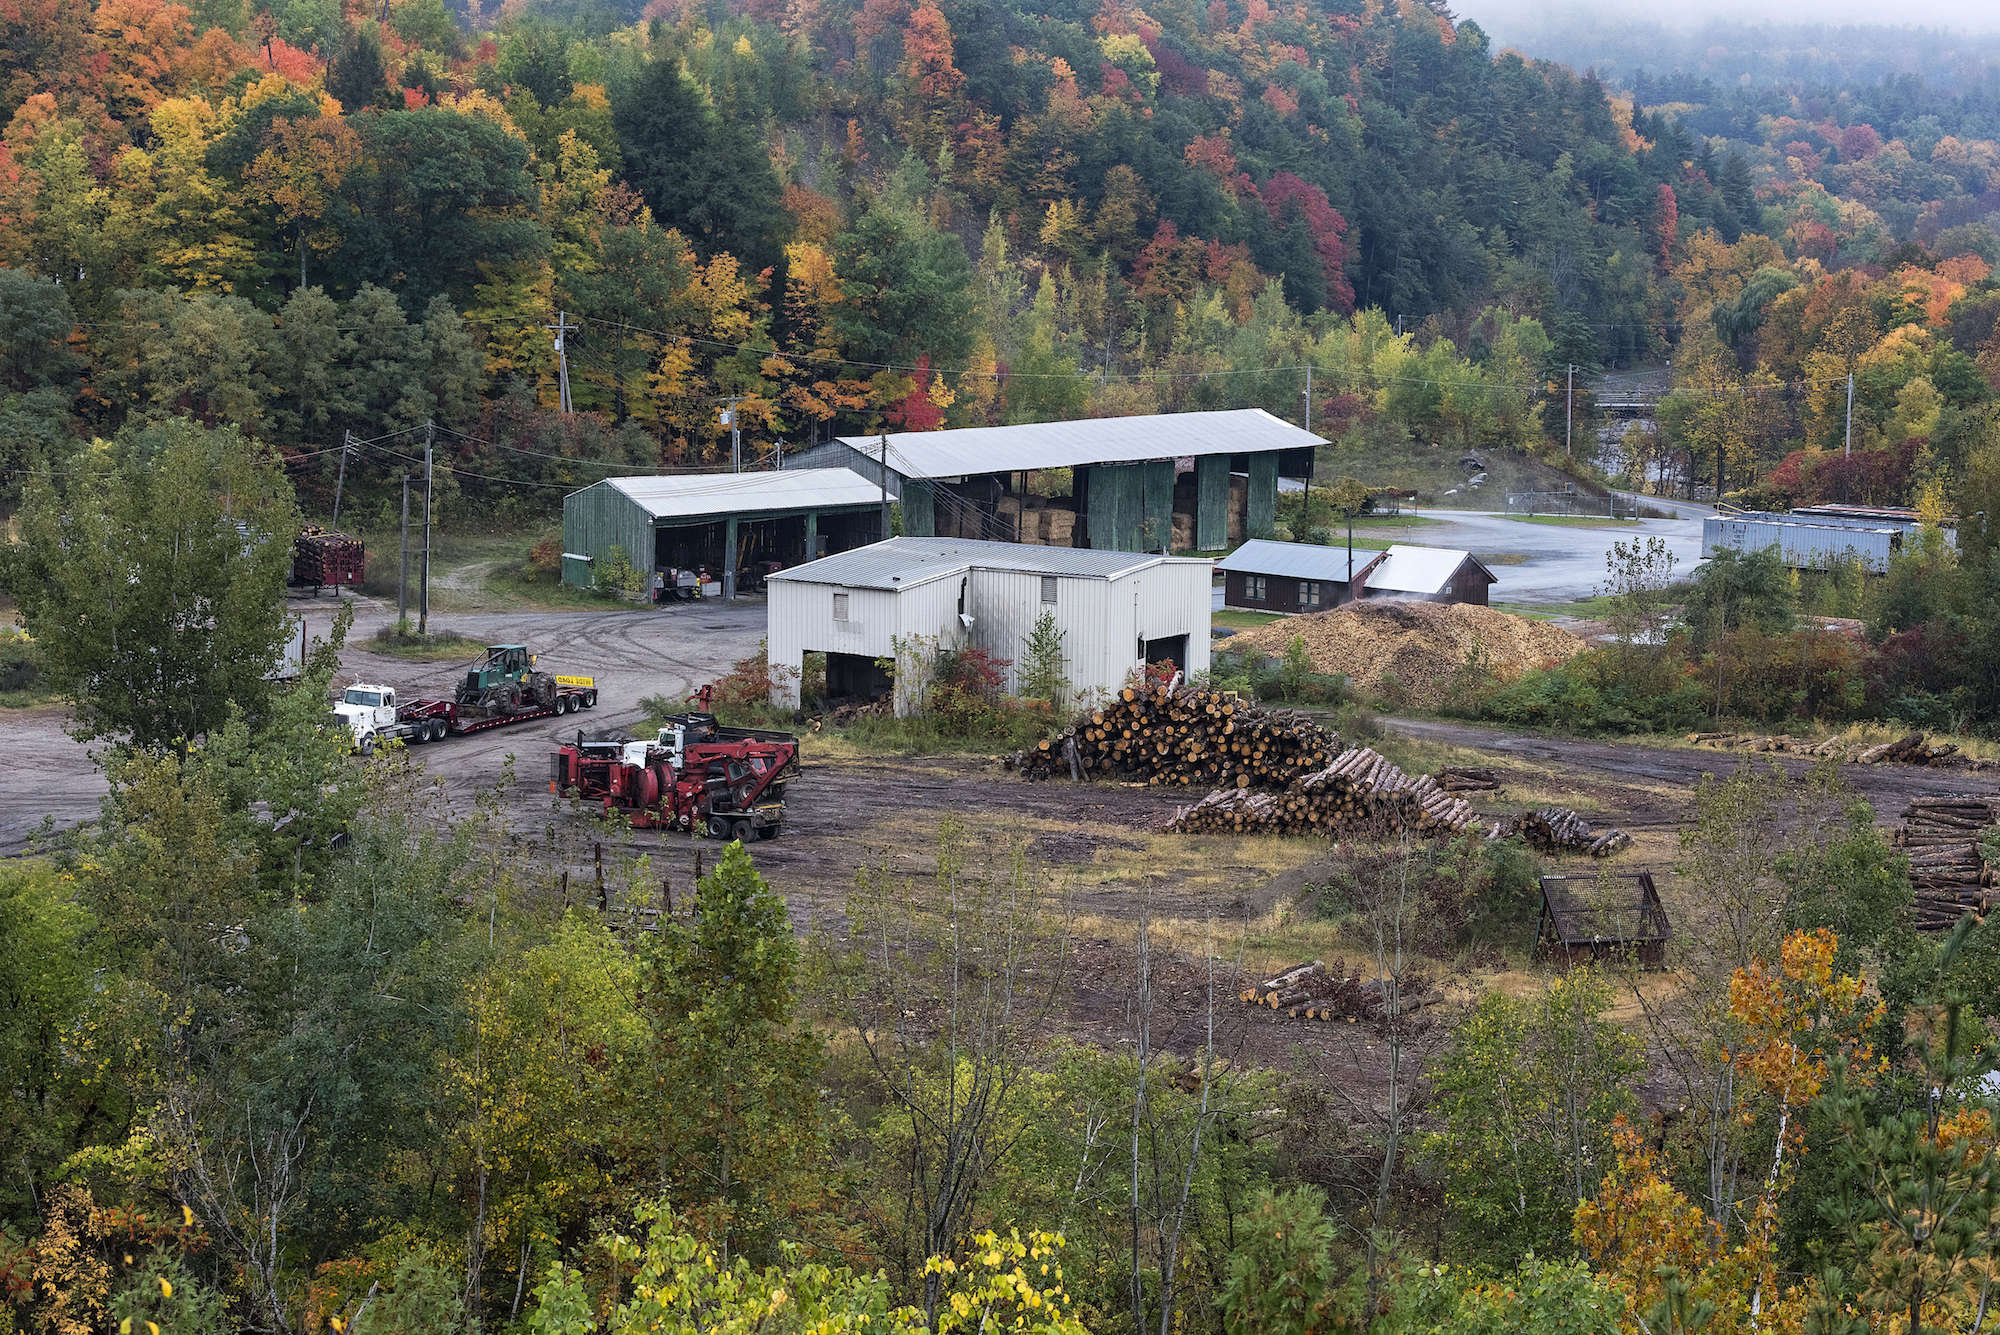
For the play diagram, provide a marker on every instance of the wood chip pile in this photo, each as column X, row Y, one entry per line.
column 1314, row 992
column 1948, row 869
column 1560, row 830
column 1361, row 794
column 1421, row 645
column 1186, row 736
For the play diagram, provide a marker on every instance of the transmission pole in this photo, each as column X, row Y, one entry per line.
column 1306, row 509
column 1569, row 411
column 403, row 581
column 341, row 476
column 1847, row 449
column 561, row 329
column 735, row 432
column 424, row 584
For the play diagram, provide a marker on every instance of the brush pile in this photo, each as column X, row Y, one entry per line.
column 1560, row 830
column 1361, row 794
column 1417, row 652
column 1948, row 869
column 1467, row 779
column 1187, row 736
column 1314, row 992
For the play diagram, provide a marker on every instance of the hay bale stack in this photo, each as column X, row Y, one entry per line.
column 1420, row 645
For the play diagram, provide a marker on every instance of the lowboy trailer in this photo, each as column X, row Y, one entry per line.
column 372, row 714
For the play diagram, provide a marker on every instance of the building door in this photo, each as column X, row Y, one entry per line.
column 1168, row 649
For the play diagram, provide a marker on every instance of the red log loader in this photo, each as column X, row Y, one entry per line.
column 696, row 775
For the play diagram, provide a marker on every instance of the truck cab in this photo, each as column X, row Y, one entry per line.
column 368, row 709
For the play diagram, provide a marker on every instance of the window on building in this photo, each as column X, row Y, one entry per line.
column 840, row 607
column 1048, row 588
column 1308, row 593
column 1253, row 588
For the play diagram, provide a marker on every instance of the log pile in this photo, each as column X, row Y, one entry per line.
column 1467, row 779
column 1560, row 830
column 1910, row 750
column 1361, row 793
column 1948, row 869
column 1186, row 736
column 1314, row 992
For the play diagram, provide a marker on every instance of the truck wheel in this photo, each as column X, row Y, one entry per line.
column 767, row 832
column 718, row 827
column 438, row 730
column 590, row 699
column 368, row 745
column 743, row 832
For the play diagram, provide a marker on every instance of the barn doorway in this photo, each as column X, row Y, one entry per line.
column 1168, row 649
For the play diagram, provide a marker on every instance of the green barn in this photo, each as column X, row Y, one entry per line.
column 1157, row 483
column 736, row 526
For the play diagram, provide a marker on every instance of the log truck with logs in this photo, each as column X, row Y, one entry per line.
column 696, row 775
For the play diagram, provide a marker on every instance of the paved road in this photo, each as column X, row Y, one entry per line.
column 1562, row 562
column 50, row 778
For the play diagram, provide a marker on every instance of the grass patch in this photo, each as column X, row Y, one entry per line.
column 1235, row 619
column 1393, row 521
column 402, row 641
column 1503, row 558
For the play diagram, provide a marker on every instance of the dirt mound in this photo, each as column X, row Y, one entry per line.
column 1421, row 646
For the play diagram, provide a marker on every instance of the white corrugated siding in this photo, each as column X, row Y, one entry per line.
column 926, row 617
column 1174, row 599
column 1801, row 546
column 799, row 620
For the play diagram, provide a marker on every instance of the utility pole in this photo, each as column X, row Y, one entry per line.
column 1306, row 509
column 561, row 329
column 1569, row 411
column 735, row 433
column 347, row 442
column 885, row 486
column 403, row 580
column 424, row 585
column 1847, row 449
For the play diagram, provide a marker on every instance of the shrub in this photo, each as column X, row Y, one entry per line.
column 1592, row 694
column 19, row 668
column 545, row 557
column 616, row 574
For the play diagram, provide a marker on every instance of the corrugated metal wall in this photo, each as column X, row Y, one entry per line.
column 1173, row 598
column 1009, row 602
column 1211, row 522
column 1802, row 546
column 838, row 454
column 1262, row 521
column 799, row 620
column 599, row 517
column 919, row 509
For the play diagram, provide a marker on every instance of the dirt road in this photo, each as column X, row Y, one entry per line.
column 50, row 778
column 1654, row 781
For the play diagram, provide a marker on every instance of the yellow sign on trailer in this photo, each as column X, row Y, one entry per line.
column 576, row 681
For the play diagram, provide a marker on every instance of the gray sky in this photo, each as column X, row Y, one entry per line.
column 1966, row 15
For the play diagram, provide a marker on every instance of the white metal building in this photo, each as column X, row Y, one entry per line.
column 897, row 601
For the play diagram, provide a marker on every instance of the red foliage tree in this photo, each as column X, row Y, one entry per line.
column 1285, row 195
column 916, row 411
column 1858, row 143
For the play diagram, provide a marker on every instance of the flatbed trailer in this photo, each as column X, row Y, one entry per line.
column 423, row 721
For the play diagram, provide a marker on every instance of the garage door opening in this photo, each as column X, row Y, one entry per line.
column 1168, row 649
column 852, row 677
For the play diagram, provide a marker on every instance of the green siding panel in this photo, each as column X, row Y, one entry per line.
column 1116, row 507
column 1156, row 522
column 598, row 518
column 1211, row 520
column 919, row 510
column 1262, row 521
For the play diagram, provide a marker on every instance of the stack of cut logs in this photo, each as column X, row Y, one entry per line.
column 1911, row 750
column 1560, row 830
column 1467, row 779
column 1361, row 793
column 1314, row 992
column 1186, row 736
column 1948, row 870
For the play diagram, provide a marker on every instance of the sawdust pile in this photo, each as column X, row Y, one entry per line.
column 1421, row 646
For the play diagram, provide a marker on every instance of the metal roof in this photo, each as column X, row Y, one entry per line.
column 969, row 451
column 1419, row 569
column 689, row 495
column 901, row 563
column 1298, row 560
